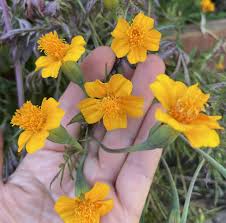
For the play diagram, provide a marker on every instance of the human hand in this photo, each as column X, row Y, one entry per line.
column 27, row 196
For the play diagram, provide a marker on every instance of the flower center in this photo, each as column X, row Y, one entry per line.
column 53, row 46
column 29, row 117
column 110, row 104
column 185, row 112
column 86, row 211
column 136, row 36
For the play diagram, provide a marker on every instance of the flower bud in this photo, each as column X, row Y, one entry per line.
column 73, row 72
column 111, row 4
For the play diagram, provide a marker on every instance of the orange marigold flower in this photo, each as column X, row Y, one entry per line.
column 87, row 209
column 111, row 101
column 135, row 39
column 184, row 111
column 207, row 6
column 36, row 122
column 57, row 52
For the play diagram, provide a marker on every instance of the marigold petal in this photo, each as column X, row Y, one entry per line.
column 120, row 47
column 119, row 85
column 51, row 70
column 162, row 89
column 23, row 139
column 105, row 207
column 96, row 89
column 78, row 41
column 98, row 193
column 43, row 61
column 197, row 94
column 65, row 207
column 91, row 110
column 209, row 121
column 165, row 118
column 74, row 54
column 167, row 91
column 115, row 121
column 54, row 113
column 133, row 105
column 152, row 40
column 37, row 141
column 121, row 28
column 202, row 136
column 76, row 49
column 143, row 21
column 137, row 54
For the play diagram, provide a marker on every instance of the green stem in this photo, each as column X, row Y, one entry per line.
column 173, row 185
column 213, row 162
column 96, row 38
column 128, row 149
column 160, row 136
column 190, row 189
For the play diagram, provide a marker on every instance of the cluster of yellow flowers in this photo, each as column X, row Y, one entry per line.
column 207, row 6
column 183, row 107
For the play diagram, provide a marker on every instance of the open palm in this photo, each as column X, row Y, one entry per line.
column 27, row 196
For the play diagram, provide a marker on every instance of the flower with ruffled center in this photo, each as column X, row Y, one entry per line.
column 184, row 111
column 136, row 39
column 37, row 122
column 57, row 52
column 111, row 101
column 87, row 209
column 207, row 6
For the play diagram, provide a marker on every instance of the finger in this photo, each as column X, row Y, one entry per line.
column 1, row 157
column 127, row 70
column 93, row 68
column 92, row 168
column 144, row 74
column 137, row 172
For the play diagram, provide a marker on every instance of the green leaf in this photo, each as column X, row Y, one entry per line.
column 61, row 136
column 77, row 118
column 81, row 185
column 73, row 72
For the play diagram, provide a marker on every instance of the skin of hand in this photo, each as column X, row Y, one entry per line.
column 27, row 196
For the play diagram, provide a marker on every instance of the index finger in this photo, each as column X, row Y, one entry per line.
column 93, row 68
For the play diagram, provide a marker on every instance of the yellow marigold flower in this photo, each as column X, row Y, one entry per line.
column 87, row 209
column 135, row 39
column 112, row 101
column 220, row 66
column 183, row 111
column 207, row 6
column 36, row 121
column 57, row 52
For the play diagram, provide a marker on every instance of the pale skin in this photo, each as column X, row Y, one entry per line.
column 27, row 196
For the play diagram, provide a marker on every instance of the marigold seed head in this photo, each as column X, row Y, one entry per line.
column 29, row 117
column 53, row 46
